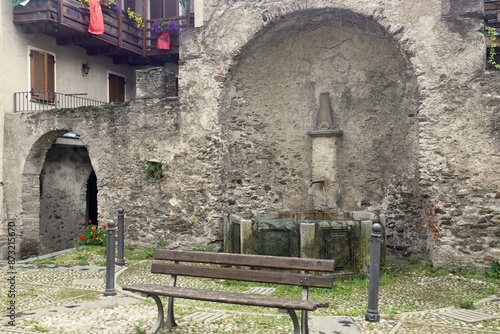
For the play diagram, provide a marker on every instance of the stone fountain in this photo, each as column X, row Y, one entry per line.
column 320, row 232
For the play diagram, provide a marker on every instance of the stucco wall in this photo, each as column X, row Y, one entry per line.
column 68, row 66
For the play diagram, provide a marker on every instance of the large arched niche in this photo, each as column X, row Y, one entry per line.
column 271, row 101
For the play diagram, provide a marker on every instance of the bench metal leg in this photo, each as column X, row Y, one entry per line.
column 293, row 315
column 305, row 323
column 159, row 322
column 170, row 313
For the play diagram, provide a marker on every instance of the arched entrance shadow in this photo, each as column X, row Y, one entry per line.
column 92, row 198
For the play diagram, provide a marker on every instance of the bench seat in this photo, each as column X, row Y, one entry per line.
column 226, row 297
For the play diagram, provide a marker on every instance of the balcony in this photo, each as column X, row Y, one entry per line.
column 68, row 20
column 45, row 100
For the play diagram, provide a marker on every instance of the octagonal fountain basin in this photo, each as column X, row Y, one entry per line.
column 343, row 237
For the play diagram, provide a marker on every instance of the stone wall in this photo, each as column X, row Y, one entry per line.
column 251, row 69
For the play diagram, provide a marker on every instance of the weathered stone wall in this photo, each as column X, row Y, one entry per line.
column 63, row 196
column 120, row 140
column 447, row 206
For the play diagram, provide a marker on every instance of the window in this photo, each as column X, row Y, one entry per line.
column 116, row 88
column 42, row 68
column 163, row 8
column 131, row 4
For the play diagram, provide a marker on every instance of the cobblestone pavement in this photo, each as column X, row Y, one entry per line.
column 70, row 300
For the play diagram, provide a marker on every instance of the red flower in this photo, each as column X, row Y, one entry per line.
column 89, row 221
column 94, row 228
column 94, row 236
column 81, row 237
column 103, row 224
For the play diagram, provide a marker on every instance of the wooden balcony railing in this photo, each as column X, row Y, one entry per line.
column 68, row 20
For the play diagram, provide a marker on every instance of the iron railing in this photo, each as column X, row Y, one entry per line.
column 44, row 100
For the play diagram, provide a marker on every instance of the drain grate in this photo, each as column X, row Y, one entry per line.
column 260, row 290
column 204, row 316
column 467, row 315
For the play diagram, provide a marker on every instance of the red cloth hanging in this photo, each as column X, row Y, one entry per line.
column 163, row 41
column 96, row 24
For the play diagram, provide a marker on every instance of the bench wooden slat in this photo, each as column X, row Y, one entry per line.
column 226, row 297
column 243, row 275
column 278, row 262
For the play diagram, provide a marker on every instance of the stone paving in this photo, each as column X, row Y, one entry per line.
column 70, row 300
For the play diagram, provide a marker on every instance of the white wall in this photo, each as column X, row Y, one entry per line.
column 68, row 67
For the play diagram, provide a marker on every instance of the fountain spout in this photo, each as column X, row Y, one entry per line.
column 310, row 193
column 320, row 182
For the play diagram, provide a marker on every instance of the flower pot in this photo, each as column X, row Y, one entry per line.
column 163, row 41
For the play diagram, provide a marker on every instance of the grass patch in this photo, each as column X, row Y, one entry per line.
column 92, row 255
column 73, row 293
column 466, row 304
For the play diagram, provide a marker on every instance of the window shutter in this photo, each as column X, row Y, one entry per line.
column 42, row 76
column 37, row 74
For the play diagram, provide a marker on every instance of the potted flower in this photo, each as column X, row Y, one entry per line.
column 93, row 235
column 164, row 30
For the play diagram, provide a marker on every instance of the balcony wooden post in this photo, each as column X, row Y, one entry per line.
column 60, row 10
column 144, row 29
column 120, row 29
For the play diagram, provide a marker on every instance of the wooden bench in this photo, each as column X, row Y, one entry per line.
column 304, row 272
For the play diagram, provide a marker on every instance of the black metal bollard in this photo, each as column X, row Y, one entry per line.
column 372, row 314
column 120, row 261
column 110, row 259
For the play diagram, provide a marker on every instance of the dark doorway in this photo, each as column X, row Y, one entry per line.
column 92, row 198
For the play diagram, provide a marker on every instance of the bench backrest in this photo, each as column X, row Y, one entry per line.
column 252, row 268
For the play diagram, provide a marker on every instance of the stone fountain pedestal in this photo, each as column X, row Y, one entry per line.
column 343, row 237
column 324, row 144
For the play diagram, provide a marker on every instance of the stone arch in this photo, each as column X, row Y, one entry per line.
column 49, row 155
column 30, row 192
column 271, row 99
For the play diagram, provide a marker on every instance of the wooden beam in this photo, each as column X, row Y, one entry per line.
column 72, row 40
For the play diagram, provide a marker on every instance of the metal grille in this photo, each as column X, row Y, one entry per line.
column 467, row 315
column 36, row 101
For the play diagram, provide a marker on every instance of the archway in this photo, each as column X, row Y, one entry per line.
column 58, row 194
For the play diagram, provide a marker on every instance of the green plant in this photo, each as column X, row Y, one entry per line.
column 133, row 16
column 205, row 248
column 139, row 330
column 82, row 260
column 413, row 259
column 161, row 243
column 466, row 304
column 153, row 169
column 93, row 235
column 491, row 34
column 40, row 328
column 493, row 271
